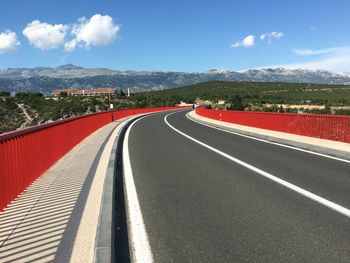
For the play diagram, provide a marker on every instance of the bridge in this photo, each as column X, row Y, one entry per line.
column 170, row 184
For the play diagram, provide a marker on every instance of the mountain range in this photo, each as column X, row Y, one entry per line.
column 46, row 79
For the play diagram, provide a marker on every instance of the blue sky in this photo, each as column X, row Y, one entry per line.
column 177, row 35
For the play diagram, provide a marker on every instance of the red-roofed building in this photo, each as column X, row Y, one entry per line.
column 59, row 92
column 85, row 92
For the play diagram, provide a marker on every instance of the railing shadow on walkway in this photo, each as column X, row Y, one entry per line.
column 41, row 224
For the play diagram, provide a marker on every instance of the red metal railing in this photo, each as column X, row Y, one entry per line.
column 330, row 127
column 28, row 153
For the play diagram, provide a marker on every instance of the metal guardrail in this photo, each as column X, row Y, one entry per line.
column 330, row 127
column 26, row 154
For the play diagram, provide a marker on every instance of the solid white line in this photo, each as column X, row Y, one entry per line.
column 139, row 245
column 318, row 199
column 266, row 141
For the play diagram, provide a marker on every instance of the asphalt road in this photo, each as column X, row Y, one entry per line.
column 198, row 206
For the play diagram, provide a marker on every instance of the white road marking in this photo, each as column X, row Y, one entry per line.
column 266, row 141
column 139, row 245
column 340, row 209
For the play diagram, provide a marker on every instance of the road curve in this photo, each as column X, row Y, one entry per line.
column 198, row 206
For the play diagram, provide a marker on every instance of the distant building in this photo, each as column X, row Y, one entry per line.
column 306, row 101
column 59, row 92
column 182, row 104
column 85, row 92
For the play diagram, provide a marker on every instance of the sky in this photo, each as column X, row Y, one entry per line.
column 181, row 35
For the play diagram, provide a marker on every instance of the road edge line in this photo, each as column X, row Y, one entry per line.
column 139, row 245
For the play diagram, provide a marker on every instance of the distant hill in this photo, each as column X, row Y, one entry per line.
column 255, row 93
column 45, row 79
column 28, row 109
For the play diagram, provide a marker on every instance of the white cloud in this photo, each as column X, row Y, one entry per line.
column 8, row 42
column 247, row 42
column 337, row 60
column 99, row 30
column 70, row 46
column 45, row 36
column 270, row 36
column 312, row 52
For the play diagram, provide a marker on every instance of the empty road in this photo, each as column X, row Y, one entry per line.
column 198, row 194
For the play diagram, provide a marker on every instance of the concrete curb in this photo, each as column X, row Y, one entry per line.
column 104, row 246
column 310, row 147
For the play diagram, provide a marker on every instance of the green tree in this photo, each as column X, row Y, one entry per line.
column 236, row 103
column 4, row 94
column 122, row 94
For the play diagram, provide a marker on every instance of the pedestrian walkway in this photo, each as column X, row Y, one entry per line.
column 56, row 218
column 334, row 148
